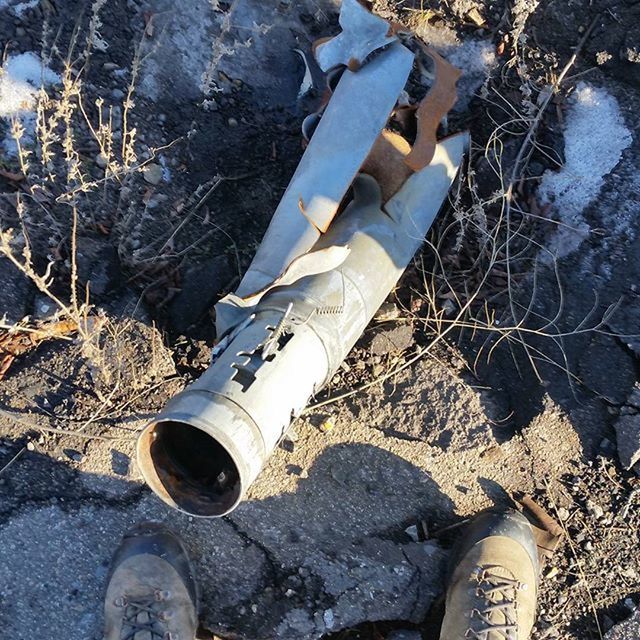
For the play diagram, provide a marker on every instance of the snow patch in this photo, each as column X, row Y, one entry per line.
column 21, row 77
column 476, row 59
column 19, row 8
column 595, row 136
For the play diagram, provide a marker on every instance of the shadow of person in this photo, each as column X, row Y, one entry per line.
column 327, row 556
column 336, row 547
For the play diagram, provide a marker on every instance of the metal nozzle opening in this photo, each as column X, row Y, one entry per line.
column 189, row 468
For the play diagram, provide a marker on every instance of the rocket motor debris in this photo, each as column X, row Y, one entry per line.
column 315, row 282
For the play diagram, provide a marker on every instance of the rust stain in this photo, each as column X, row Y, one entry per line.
column 385, row 162
column 311, row 221
column 18, row 342
column 435, row 105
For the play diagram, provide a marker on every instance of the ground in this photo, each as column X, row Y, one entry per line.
column 322, row 543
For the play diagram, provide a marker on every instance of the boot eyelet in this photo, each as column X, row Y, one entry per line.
column 159, row 595
column 120, row 602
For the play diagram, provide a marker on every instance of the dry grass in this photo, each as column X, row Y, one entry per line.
column 479, row 274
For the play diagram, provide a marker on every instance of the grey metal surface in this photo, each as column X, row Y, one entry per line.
column 353, row 119
column 362, row 34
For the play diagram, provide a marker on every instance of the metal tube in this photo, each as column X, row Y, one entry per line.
column 204, row 450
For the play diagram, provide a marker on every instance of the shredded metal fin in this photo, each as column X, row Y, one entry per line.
column 362, row 34
column 271, row 343
column 436, row 104
column 308, row 264
column 307, row 81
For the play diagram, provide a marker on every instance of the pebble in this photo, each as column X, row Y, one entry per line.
column 563, row 513
column 232, row 122
column 110, row 66
column 328, row 618
column 387, row 311
column 74, row 455
column 31, row 446
column 101, row 160
column 152, row 173
column 594, row 509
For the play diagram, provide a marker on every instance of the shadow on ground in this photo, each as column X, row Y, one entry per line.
column 330, row 555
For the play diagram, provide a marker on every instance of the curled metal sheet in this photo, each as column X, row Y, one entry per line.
column 362, row 34
column 433, row 108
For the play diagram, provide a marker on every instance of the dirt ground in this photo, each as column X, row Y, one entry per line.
column 322, row 543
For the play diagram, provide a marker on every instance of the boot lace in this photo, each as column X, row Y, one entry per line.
column 144, row 613
column 499, row 594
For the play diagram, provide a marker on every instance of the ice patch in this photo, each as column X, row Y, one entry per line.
column 595, row 136
column 21, row 76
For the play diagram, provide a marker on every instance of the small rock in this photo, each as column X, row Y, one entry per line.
column 74, row 455
column 387, row 311
column 120, row 463
column 630, row 573
column 152, row 173
column 232, row 122
column 628, row 440
column 594, row 509
column 412, row 532
column 101, row 160
column 110, row 66
column 563, row 514
column 328, row 618
column 392, row 340
column 98, row 265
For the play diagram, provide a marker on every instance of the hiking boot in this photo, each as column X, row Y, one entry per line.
column 494, row 581
column 151, row 594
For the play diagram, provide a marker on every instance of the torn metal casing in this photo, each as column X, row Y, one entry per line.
column 362, row 34
column 433, row 108
column 307, row 81
column 351, row 123
column 208, row 445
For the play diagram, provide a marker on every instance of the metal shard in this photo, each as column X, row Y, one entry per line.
column 362, row 34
